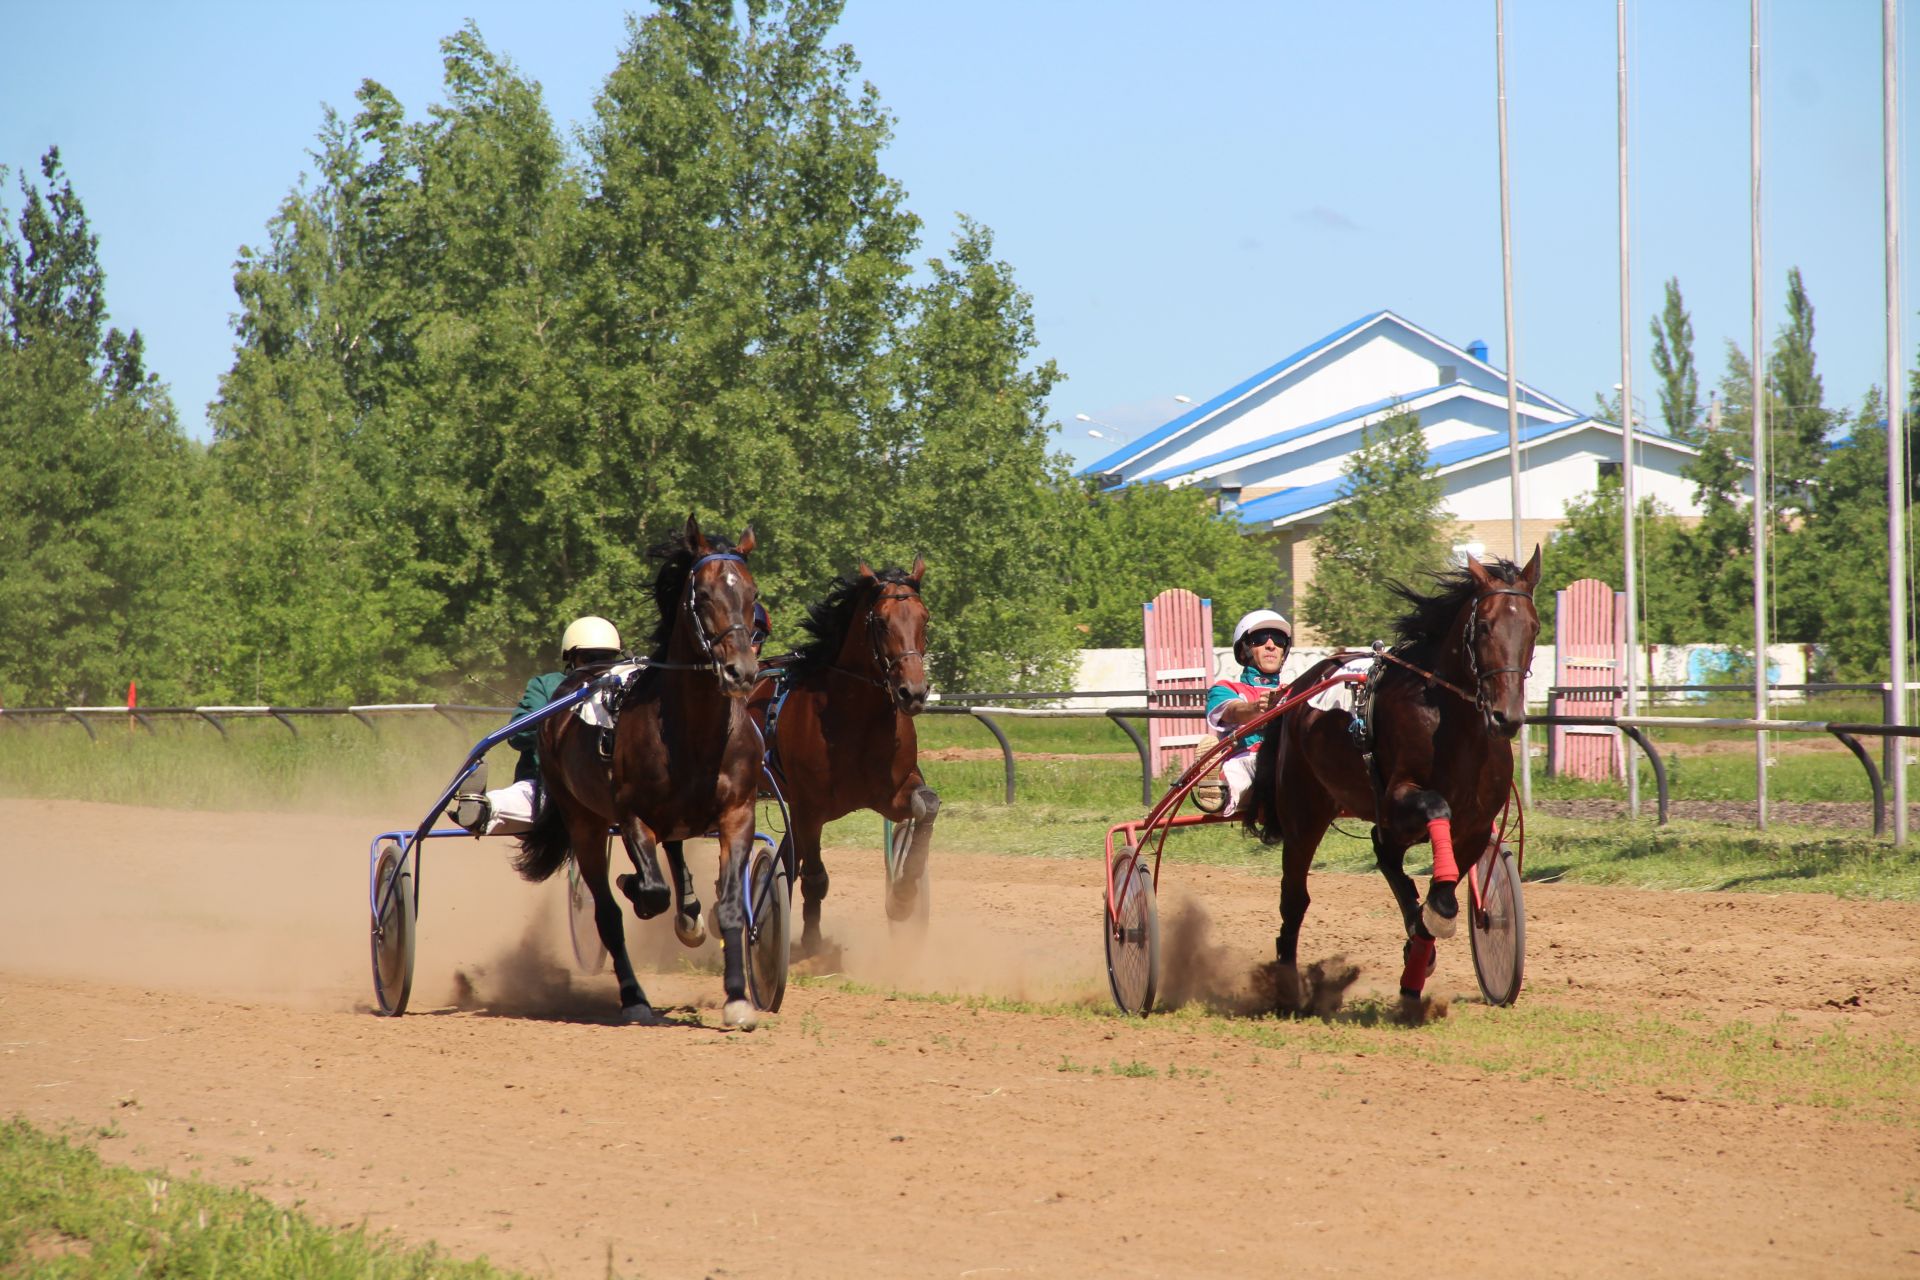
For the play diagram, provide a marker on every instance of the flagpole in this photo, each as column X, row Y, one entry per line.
column 1513, row 379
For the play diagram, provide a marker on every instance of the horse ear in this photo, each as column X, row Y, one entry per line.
column 1479, row 571
column 693, row 531
column 1531, row 574
column 866, row 572
column 746, row 544
column 918, row 571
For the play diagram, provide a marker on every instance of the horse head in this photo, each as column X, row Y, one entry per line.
column 897, row 633
column 718, row 604
column 1498, row 639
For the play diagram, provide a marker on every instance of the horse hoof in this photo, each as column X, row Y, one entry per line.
column 691, row 930
column 640, row 1015
column 648, row 900
column 739, row 1015
column 1442, row 910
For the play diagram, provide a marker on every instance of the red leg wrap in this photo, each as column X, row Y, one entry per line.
column 1420, row 958
column 1440, row 831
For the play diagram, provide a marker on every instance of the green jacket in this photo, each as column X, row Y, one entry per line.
column 527, row 742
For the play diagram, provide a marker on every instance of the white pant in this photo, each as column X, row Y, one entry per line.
column 510, row 808
column 1237, row 773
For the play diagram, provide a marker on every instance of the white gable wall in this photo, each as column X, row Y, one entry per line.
column 1559, row 471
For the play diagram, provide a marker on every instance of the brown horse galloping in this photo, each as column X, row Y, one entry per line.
column 843, row 737
column 1446, row 702
column 686, row 762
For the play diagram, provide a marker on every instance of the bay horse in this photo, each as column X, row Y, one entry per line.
column 1445, row 704
column 842, row 736
column 686, row 763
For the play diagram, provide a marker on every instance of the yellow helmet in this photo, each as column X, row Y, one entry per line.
column 589, row 632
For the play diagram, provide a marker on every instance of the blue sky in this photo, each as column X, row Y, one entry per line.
column 1187, row 194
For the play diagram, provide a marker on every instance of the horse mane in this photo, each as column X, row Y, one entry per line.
column 676, row 556
column 1430, row 614
column 827, row 621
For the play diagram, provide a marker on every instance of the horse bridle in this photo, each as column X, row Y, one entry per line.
column 876, row 631
column 700, row 633
column 1479, row 695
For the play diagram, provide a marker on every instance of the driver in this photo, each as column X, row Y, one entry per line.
column 587, row 641
column 1261, row 641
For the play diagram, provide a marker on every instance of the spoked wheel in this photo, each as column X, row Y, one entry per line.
column 771, row 896
column 1499, row 929
column 1133, row 939
column 588, row 952
column 899, row 839
column 392, row 930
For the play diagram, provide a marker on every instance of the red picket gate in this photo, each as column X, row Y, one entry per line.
column 1590, row 623
column 1179, row 645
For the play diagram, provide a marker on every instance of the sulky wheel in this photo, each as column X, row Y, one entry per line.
column 588, row 951
column 1133, row 939
column 1499, row 929
column 393, row 908
column 899, row 839
column 770, row 895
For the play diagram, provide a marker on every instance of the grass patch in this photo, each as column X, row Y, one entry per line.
column 70, row 1214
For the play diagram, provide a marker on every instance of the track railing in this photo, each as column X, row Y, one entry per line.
column 986, row 709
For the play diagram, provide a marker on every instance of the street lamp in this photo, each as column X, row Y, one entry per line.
column 1111, row 433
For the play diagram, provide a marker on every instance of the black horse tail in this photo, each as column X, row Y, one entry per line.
column 545, row 845
column 1261, row 814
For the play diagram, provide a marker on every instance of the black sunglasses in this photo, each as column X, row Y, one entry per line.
column 1255, row 639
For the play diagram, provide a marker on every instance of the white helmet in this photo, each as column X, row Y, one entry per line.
column 1258, row 620
column 589, row 632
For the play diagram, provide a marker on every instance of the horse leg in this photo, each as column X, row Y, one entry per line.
column 729, row 912
column 813, row 885
column 590, row 855
column 1416, row 813
column 923, row 806
column 1392, row 864
column 687, row 925
column 648, row 889
column 1300, row 840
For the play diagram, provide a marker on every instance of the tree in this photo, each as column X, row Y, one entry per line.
column 1591, row 544
column 1131, row 545
column 1389, row 525
column 1673, row 362
column 1797, row 421
column 96, row 559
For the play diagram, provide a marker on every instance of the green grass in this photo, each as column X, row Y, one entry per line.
column 1782, row 1062
column 66, row 1213
column 1063, row 808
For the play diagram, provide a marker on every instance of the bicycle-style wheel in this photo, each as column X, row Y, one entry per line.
column 1499, row 929
column 770, row 895
column 582, row 930
column 393, row 933
column 1132, row 935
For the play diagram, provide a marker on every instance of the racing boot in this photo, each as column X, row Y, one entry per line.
column 470, row 807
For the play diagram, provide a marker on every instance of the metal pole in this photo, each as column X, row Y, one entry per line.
column 1513, row 378
column 1759, row 436
column 1896, row 434
column 1626, row 429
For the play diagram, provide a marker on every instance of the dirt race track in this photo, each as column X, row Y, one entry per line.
column 197, row 985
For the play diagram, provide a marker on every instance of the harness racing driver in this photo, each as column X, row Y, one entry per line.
column 1261, row 641
column 587, row 641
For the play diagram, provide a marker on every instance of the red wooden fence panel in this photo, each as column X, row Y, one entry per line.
column 1590, row 623
column 1179, row 648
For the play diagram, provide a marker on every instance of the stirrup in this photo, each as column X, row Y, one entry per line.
column 472, row 811
column 603, row 743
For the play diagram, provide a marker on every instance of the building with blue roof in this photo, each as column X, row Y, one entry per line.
column 1273, row 448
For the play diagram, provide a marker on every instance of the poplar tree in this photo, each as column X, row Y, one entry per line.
column 1673, row 362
